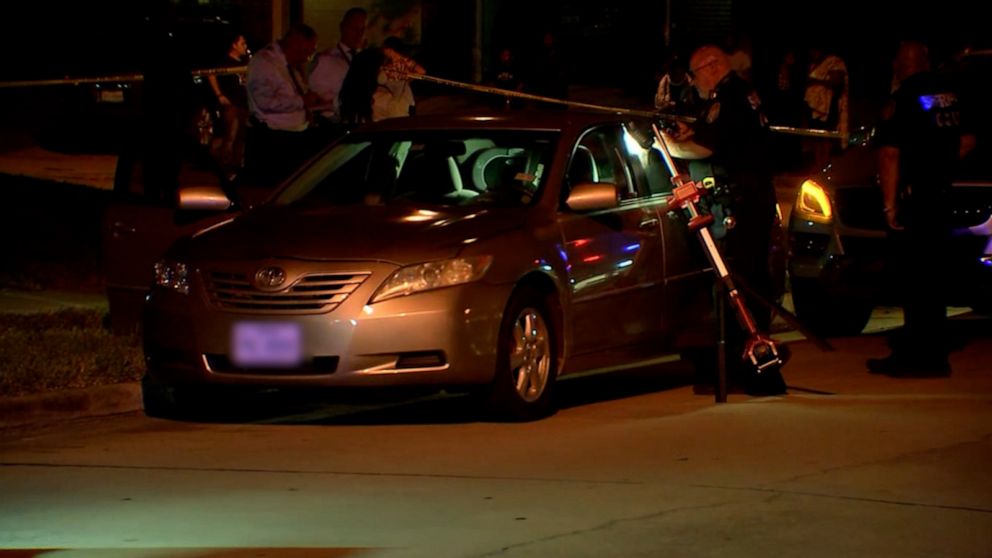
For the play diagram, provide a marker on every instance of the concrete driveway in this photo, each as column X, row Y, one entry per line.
column 848, row 464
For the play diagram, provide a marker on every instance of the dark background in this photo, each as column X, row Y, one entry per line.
column 619, row 43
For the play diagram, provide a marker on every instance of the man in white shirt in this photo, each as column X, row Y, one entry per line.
column 280, row 105
column 332, row 64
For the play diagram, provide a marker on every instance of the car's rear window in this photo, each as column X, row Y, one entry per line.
column 476, row 168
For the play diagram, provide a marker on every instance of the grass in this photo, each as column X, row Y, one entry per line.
column 62, row 350
column 50, row 238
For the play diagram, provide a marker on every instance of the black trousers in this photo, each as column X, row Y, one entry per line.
column 918, row 263
column 746, row 250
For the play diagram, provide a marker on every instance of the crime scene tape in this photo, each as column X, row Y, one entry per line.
column 807, row 132
column 128, row 78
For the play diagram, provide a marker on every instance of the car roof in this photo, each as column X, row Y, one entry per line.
column 526, row 120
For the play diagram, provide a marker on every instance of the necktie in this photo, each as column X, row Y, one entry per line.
column 298, row 85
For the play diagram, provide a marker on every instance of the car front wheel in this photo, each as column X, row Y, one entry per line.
column 526, row 363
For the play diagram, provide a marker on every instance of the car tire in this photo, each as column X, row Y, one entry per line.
column 157, row 399
column 826, row 313
column 523, row 387
column 177, row 402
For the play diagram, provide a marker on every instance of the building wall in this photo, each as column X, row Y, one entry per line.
column 400, row 18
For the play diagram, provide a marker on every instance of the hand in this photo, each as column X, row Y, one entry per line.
column 224, row 101
column 681, row 132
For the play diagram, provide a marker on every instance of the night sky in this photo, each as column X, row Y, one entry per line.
column 611, row 43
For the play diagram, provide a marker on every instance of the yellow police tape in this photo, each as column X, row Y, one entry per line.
column 615, row 110
column 430, row 79
column 123, row 78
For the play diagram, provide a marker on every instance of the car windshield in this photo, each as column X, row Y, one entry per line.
column 477, row 168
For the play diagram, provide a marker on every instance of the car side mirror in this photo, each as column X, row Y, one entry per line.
column 590, row 196
column 203, row 198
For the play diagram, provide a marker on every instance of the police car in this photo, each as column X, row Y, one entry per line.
column 837, row 228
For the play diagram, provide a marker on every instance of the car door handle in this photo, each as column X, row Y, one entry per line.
column 648, row 224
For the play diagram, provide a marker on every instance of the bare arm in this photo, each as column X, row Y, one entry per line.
column 888, row 177
column 215, row 86
column 681, row 145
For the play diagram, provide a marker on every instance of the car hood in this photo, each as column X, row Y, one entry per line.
column 397, row 234
column 857, row 166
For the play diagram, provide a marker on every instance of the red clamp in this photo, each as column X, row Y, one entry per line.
column 685, row 196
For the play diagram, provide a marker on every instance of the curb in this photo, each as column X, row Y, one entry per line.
column 31, row 410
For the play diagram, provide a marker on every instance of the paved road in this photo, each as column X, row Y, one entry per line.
column 848, row 464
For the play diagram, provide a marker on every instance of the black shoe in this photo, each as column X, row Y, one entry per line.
column 899, row 366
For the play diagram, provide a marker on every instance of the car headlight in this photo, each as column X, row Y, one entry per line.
column 172, row 275
column 432, row 275
column 813, row 202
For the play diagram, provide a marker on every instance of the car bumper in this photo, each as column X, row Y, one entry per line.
column 445, row 337
column 852, row 261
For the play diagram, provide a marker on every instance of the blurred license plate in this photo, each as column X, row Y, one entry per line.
column 273, row 344
column 111, row 96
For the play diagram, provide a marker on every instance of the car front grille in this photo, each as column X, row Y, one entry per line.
column 862, row 207
column 316, row 366
column 310, row 294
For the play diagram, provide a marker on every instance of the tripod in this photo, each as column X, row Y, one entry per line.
column 760, row 352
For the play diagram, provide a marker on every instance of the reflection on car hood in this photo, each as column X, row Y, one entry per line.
column 399, row 234
column 857, row 166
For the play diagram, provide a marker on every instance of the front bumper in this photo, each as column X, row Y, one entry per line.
column 445, row 337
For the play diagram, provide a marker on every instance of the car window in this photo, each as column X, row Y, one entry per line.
column 613, row 154
column 450, row 168
column 648, row 166
column 599, row 157
column 146, row 179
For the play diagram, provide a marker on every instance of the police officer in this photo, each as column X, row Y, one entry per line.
column 731, row 136
column 922, row 138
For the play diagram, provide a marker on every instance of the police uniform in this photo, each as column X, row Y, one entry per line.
column 924, row 122
column 732, row 126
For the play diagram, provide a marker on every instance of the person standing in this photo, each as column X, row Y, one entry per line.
column 393, row 97
column 675, row 94
column 548, row 76
column 731, row 138
column 280, row 136
column 377, row 86
column 505, row 75
column 332, row 65
column 826, row 98
column 232, row 103
column 923, row 135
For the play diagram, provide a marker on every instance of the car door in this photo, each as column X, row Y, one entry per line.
column 136, row 231
column 614, row 255
column 686, row 300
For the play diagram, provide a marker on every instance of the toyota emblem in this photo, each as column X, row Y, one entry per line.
column 270, row 277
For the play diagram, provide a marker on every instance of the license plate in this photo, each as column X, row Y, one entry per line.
column 111, row 96
column 266, row 344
